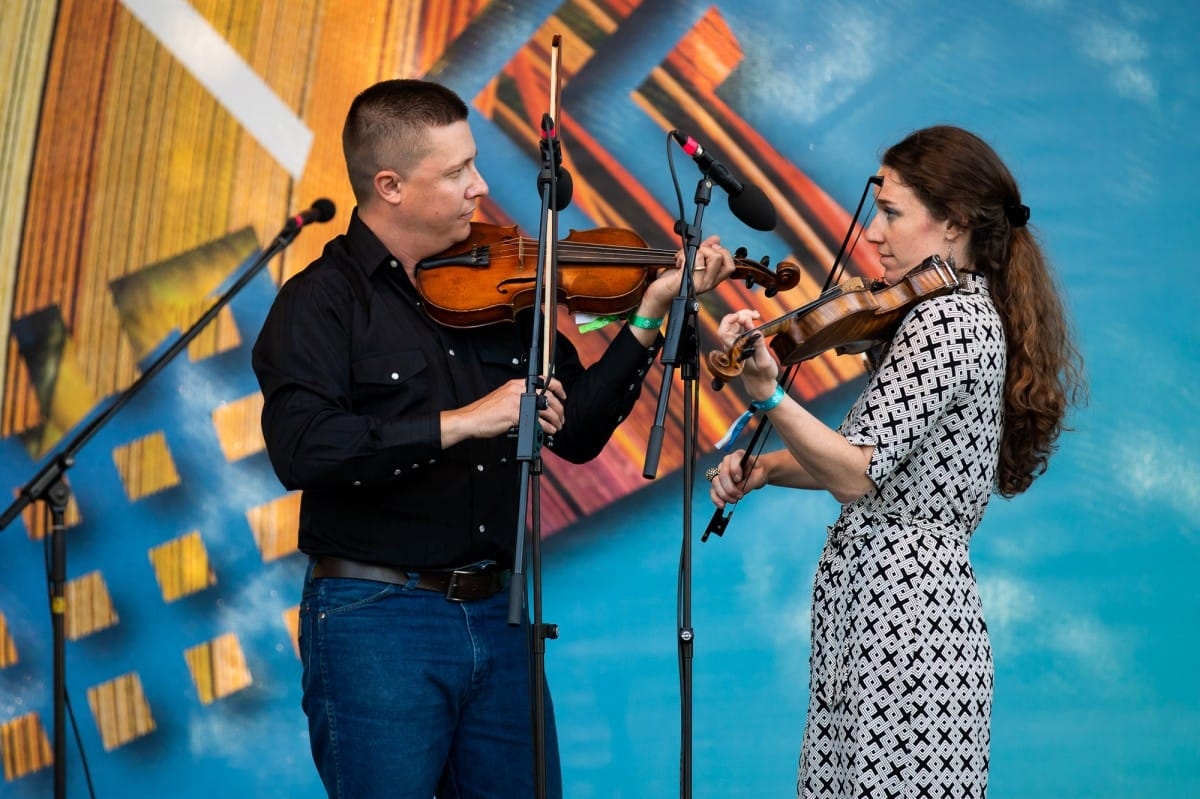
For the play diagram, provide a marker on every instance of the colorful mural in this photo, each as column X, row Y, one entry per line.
column 154, row 148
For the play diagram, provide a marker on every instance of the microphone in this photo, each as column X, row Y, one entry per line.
column 562, row 178
column 747, row 202
column 321, row 210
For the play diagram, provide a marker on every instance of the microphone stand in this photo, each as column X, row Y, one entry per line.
column 48, row 485
column 530, row 436
column 681, row 347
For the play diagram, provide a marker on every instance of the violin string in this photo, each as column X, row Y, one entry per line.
column 610, row 254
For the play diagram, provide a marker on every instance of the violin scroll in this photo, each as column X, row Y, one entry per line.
column 784, row 277
column 725, row 365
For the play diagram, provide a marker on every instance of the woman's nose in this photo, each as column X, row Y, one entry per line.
column 872, row 232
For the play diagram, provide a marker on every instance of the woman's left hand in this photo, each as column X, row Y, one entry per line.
column 760, row 372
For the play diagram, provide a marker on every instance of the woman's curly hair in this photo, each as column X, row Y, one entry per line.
column 960, row 178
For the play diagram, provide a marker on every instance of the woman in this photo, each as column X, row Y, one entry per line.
column 967, row 399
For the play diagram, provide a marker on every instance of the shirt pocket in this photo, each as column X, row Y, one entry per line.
column 390, row 383
column 502, row 358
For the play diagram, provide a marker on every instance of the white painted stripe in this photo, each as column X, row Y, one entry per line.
column 219, row 68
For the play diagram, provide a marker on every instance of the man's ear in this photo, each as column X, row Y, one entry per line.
column 389, row 186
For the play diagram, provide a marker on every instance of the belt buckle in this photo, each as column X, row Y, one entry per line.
column 474, row 568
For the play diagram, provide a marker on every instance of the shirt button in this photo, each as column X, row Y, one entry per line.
column 483, row 528
column 397, row 473
column 479, row 468
column 516, row 361
column 451, row 353
column 416, row 466
column 357, row 483
column 393, row 263
column 395, row 375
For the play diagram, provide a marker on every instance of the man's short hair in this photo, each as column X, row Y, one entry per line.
column 387, row 125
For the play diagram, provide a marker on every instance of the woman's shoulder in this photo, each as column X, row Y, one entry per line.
column 950, row 316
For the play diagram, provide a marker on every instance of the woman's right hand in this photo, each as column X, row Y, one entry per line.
column 732, row 482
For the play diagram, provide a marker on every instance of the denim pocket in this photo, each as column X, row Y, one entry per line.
column 340, row 595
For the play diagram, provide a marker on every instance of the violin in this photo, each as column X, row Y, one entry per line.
column 491, row 275
column 850, row 318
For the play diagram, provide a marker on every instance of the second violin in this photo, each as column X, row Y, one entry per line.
column 849, row 318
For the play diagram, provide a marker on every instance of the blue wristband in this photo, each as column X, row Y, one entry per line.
column 739, row 424
column 770, row 402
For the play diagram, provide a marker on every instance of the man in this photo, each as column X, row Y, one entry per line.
column 396, row 430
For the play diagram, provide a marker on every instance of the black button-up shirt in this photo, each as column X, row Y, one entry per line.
column 354, row 376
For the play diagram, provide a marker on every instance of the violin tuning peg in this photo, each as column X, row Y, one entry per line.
column 765, row 260
column 740, row 252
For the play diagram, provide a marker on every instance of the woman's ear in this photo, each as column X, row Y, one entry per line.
column 954, row 232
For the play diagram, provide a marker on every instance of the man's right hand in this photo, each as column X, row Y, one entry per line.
column 498, row 412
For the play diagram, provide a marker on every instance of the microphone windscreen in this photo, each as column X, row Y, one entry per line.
column 564, row 190
column 324, row 210
column 753, row 208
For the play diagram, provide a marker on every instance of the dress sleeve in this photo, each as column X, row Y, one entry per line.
column 919, row 375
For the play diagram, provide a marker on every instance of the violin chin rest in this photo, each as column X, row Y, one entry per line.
column 854, row 347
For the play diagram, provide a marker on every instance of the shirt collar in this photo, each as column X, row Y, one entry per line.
column 365, row 247
column 972, row 283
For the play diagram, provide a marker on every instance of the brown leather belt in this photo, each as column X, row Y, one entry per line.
column 478, row 581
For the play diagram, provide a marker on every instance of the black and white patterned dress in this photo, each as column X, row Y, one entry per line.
column 901, row 668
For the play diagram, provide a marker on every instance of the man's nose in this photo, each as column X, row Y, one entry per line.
column 481, row 186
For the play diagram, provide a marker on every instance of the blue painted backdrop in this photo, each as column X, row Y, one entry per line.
column 1087, row 579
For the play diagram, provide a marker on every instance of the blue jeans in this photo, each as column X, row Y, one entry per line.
column 410, row 696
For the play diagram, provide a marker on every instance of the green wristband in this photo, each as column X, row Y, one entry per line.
column 644, row 322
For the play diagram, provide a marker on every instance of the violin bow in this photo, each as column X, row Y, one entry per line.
column 839, row 265
column 722, row 516
column 550, row 253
